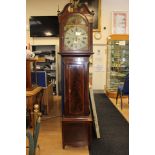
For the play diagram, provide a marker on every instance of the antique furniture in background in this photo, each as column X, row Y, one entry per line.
column 31, row 66
column 47, row 99
column 42, row 95
column 33, row 97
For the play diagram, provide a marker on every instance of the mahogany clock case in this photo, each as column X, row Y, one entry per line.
column 75, row 27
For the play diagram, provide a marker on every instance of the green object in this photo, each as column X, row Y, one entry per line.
column 33, row 138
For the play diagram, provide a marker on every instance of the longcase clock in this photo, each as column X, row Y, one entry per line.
column 75, row 29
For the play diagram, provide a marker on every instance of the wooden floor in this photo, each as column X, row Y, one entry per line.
column 125, row 109
column 50, row 140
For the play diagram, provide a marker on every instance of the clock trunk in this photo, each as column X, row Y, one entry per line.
column 75, row 71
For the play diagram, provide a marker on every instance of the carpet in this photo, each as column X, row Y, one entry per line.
column 114, row 129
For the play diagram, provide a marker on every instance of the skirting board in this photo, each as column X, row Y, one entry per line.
column 97, row 91
column 94, row 113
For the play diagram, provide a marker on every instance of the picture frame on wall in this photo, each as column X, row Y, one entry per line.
column 120, row 22
column 94, row 5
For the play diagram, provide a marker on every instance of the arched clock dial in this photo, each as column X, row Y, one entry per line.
column 76, row 38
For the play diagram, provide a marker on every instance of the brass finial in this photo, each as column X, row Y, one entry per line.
column 75, row 3
column 58, row 9
column 93, row 12
column 36, row 108
column 37, row 114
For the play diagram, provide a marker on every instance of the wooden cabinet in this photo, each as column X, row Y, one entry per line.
column 30, row 66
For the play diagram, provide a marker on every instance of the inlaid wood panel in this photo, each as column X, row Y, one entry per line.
column 76, row 87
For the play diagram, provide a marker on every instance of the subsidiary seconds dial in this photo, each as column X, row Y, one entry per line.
column 76, row 38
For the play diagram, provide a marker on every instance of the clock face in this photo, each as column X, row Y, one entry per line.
column 76, row 38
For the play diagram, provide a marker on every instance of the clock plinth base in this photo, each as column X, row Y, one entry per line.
column 76, row 132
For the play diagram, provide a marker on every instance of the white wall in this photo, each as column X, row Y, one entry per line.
column 107, row 6
column 50, row 7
